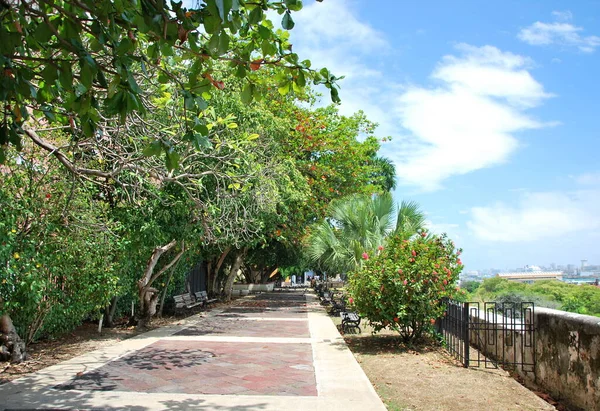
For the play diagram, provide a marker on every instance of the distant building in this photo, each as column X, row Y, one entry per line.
column 531, row 276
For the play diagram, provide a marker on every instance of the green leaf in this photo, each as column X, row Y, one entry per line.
column 284, row 88
column 212, row 24
column 202, row 129
column 301, row 79
column 86, row 76
column 65, row 76
column 247, row 93
column 42, row 33
column 172, row 160
column 163, row 78
column 335, row 97
column 264, row 32
column 153, row 149
column 287, row 22
column 256, row 15
column 189, row 101
column 224, row 7
column 240, row 72
column 101, row 79
column 223, row 43
column 213, row 43
column 201, row 141
column 294, row 5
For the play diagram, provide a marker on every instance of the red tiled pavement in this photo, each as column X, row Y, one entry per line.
column 211, row 367
column 248, row 328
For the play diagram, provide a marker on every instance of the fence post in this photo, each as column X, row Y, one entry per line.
column 466, row 337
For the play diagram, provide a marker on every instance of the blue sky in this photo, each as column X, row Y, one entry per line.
column 493, row 113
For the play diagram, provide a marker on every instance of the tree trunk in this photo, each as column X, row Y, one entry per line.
column 215, row 282
column 109, row 312
column 11, row 346
column 149, row 295
column 237, row 263
column 164, row 294
column 209, row 276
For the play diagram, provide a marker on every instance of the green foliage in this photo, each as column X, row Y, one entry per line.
column 581, row 299
column 76, row 62
column 359, row 224
column 355, row 225
column 470, row 286
column 401, row 286
column 55, row 246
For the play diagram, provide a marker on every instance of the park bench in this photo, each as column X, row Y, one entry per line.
column 202, row 297
column 185, row 301
column 326, row 299
column 350, row 320
column 337, row 306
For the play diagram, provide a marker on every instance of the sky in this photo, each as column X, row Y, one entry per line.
column 493, row 112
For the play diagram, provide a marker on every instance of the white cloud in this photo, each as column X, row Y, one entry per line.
column 565, row 15
column 332, row 24
column 588, row 179
column 467, row 123
column 330, row 35
column 560, row 33
column 537, row 216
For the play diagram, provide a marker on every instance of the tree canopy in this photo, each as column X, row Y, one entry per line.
column 78, row 63
column 140, row 139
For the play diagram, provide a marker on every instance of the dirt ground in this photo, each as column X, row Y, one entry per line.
column 427, row 378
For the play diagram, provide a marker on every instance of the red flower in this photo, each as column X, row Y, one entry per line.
column 405, row 282
column 432, row 321
column 399, row 270
column 48, row 195
column 365, row 256
column 445, row 282
column 459, row 262
column 380, row 248
column 414, row 253
column 351, row 300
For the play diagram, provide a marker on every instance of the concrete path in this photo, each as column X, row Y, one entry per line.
column 275, row 351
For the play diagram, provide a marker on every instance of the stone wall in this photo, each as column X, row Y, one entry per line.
column 567, row 357
column 253, row 288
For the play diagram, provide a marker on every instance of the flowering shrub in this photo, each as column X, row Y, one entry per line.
column 400, row 288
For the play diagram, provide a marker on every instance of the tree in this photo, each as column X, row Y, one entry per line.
column 358, row 225
column 410, row 219
column 76, row 63
column 470, row 286
column 56, row 247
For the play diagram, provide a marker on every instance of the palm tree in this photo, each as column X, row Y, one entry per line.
column 410, row 219
column 356, row 225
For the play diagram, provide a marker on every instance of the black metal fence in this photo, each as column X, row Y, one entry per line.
column 490, row 333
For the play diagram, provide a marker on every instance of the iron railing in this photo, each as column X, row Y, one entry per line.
column 490, row 333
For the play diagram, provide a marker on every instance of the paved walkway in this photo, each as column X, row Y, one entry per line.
column 276, row 351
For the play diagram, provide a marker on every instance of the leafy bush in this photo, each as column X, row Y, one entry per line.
column 55, row 248
column 400, row 288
